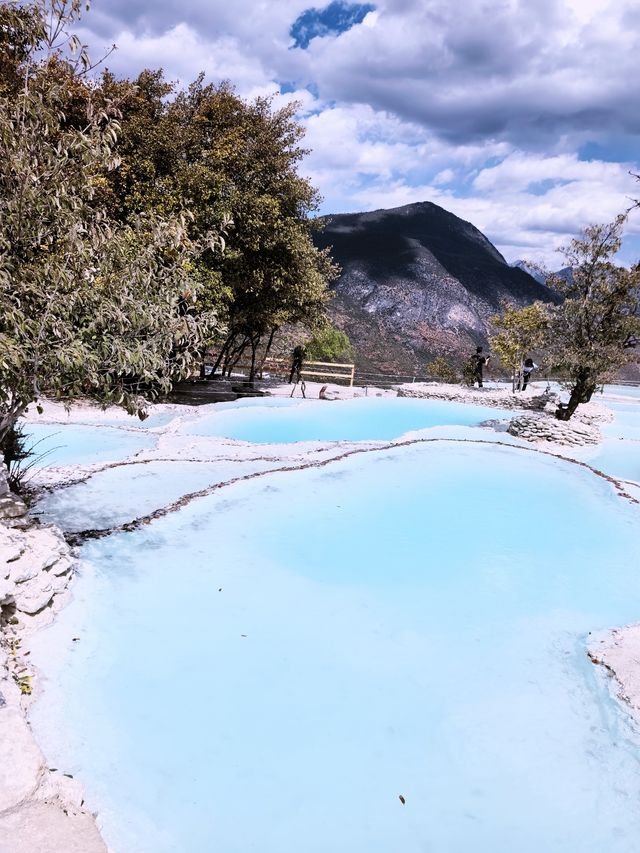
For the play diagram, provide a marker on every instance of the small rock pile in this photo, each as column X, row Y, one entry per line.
column 547, row 428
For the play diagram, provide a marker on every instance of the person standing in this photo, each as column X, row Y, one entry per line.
column 479, row 360
column 527, row 369
column 296, row 364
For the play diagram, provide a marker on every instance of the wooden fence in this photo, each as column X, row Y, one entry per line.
column 281, row 367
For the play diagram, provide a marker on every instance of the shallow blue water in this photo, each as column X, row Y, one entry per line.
column 623, row 390
column 362, row 419
column 71, row 444
column 118, row 495
column 626, row 421
column 272, row 667
column 619, row 452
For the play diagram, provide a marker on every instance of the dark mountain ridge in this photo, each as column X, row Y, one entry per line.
column 417, row 282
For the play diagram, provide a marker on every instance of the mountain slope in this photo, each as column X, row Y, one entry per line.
column 541, row 276
column 417, row 282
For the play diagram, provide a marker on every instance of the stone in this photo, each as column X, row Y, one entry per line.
column 40, row 811
column 62, row 567
column 12, row 545
column 11, row 507
column 20, row 760
column 56, row 784
column 48, row 827
column 31, row 598
column 545, row 428
column 45, row 548
column 6, row 593
column 4, row 484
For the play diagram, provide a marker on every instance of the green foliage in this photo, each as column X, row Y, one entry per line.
column 89, row 305
column 596, row 330
column 469, row 372
column 520, row 331
column 233, row 164
column 330, row 344
column 441, row 369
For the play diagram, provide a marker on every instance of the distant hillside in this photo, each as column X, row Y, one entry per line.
column 418, row 282
column 540, row 275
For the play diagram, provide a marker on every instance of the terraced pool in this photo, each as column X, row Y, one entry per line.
column 383, row 654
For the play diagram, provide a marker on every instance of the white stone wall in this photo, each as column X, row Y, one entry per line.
column 41, row 809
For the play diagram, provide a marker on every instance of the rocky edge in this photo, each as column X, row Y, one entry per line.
column 41, row 809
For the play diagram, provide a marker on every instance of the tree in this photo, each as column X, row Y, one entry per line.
column 443, row 370
column 233, row 164
column 595, row 330
column 88, row 305
column 519, row 331
column 329, row 344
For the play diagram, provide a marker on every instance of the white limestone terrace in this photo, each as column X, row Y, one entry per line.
column 617, row 452
column 207, row 462
column 539, row 402
column 41, row 808
column 618, row 650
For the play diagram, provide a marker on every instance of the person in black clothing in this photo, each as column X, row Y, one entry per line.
column 296, row 365
column 479, row 360
column 527, row 369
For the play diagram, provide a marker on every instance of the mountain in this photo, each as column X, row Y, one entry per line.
column 541, row 275
column 418, row 282
column 533, row 271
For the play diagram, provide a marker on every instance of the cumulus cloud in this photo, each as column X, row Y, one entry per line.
column 522, row 224
column 523, row 71
column 519, row 115
column 183, row 53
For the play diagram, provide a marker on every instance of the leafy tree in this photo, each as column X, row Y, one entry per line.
column 20, row 29
column 233, row 164
column 88, row 305
column 596, row 329
column 441, row 369
column 329, row 344
column 519, row 331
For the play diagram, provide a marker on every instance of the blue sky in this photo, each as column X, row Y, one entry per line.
column 518, row 115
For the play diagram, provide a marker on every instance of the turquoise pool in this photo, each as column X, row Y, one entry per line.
column 273, row 666
column 76, row 444
column 280, row 421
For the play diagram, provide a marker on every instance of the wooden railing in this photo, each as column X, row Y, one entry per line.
column 328, row 370
column 309, row 369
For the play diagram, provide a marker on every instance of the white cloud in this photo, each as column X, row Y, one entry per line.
column 183, row 53
column 481, row 107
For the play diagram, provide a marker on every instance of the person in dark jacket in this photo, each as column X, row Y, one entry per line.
column 527, row 369
column 296, row 365
column 479, row 360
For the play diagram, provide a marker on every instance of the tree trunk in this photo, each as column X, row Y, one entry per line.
column 581, row 392
column 221, row 355
column 520, row 372
column 227, row 353
column 235, row 357
column 268, row 349
column 254, row 340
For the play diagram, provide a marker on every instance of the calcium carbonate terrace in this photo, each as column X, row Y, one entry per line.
column 377, row 652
